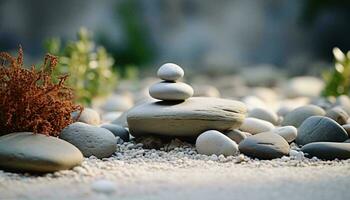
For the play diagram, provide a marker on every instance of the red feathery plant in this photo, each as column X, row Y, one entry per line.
column 30, row 99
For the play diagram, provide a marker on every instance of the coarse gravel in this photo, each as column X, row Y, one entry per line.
column 181, row 173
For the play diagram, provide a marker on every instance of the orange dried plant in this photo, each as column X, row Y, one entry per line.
column 30, row 99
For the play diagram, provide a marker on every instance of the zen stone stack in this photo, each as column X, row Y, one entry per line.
column 178, row 114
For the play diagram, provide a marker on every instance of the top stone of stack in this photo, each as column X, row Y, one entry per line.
column 170, row 72
column 169, row 89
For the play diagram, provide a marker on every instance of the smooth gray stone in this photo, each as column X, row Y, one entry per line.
column 338, row 114
column 213, row 142
column 264, row 114
column 117, row 131
column 171, row 91
column 298, row 115
column 255, row 126
column 327, row 150
column 185, row 119
column 90, row 140
column 28, row 152
column 320, row 129
column 264, row 146
column 170, row 72
column 236, row 135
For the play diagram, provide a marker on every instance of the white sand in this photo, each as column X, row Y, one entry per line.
column 182, row 174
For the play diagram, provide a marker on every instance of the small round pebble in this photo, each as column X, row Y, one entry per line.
column 170, row 72
column 255, row 126
column 103, row 186
column 213, row 142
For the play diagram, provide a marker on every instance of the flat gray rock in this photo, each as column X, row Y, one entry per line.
column 264, row 146
column 327, row 150
column 213, row 142
column 28, row 152
column 171, row 91
column 298, row 115
column 90, row 140
column 185, row 119
column 320, row 129
column 170, row 72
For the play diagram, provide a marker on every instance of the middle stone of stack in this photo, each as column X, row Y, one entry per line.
column 169, row 89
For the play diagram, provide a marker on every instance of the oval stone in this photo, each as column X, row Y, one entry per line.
column 185, row 119
column 298, row 115
column 264, row 114
column 213, row 142
column 171, row 91
column 117, row 131
column 28, row 152
column 90, row 140
column 327, row 150
column 320, row 129
column 264, row 146
column 255, row 126
column 170, row 72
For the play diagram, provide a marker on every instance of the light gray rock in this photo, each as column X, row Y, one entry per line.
column 338, row 114
column 171, row 91
column 117, row 131
column 255, row 126
column 213, row 142
column 264, row 114
column 90, row 140
column 185, row 119
column 289, row 133
column 170, row 72
column 327, row 150
column 236, row 135
column 344, row 102
column 320, row 129
column 298, row 115
column 28, row 152
column 88, row 116
column 264, row 146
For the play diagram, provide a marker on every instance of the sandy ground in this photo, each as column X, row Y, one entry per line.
column 182, row 177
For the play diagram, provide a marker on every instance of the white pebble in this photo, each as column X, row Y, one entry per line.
column 103, row 186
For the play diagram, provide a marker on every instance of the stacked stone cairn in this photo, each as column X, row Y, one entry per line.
column 170, row 89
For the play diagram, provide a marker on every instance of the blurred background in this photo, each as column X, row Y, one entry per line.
column 215, row 36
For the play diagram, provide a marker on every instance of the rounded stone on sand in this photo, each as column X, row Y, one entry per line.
column 170, row 72
column 213, row 142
